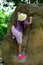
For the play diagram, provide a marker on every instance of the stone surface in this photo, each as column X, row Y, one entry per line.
column 35, row 40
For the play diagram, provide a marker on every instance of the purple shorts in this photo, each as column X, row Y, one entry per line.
column 17, row 34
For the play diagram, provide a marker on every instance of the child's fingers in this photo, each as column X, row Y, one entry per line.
column 18, row 12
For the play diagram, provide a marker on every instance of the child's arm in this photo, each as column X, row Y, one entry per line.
column 28, row 23
column 30, row 20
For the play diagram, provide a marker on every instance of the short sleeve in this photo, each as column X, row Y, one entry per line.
column 26, row 23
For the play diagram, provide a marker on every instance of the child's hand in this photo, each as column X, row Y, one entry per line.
column 18, row 13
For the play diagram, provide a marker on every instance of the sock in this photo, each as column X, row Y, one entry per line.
column 19, row 54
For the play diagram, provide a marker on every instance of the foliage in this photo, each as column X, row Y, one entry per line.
column 23, row 1
column 40, row 1
column 4, row 18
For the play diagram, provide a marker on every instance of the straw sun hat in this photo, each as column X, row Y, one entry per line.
column 22, row 17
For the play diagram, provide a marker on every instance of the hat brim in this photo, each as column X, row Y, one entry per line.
column 22, row 17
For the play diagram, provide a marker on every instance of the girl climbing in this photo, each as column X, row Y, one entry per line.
column 18, row 31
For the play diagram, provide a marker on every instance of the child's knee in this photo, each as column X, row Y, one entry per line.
column 19, row 40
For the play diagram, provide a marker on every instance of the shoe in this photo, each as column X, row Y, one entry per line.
column 21, row 57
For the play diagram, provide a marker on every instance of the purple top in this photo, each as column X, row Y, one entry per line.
column 19, row 28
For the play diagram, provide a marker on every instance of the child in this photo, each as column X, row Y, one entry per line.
column 18, row 31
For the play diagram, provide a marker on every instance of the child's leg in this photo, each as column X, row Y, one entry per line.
column 18, row 36
column 19, row 48
column 20, row 56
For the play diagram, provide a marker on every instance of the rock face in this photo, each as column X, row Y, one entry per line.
column 35, row 39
